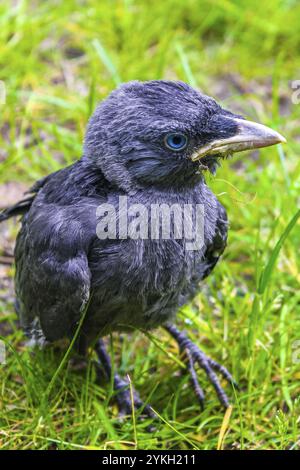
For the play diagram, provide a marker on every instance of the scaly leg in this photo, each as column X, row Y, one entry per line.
column 121, row 386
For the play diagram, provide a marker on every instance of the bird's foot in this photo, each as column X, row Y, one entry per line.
column 127, row 398
column 194, row 357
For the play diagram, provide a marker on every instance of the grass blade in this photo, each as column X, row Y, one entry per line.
column 107, row 61
column 267, row 271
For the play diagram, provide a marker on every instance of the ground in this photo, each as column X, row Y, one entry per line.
column 57, row 60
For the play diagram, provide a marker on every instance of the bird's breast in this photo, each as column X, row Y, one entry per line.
column 141, row 276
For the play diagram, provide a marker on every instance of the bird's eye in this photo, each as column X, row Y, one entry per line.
column 176, row 141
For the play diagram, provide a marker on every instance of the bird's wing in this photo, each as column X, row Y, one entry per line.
column 52, row 272
column 215, row 249
column 51, row 255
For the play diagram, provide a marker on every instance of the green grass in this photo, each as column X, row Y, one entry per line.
column 57, row 60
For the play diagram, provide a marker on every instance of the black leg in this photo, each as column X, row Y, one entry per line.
column 196, row 356
column 121, row 386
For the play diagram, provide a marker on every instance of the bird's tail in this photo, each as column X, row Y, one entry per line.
column 23, row 206
column 17, row 209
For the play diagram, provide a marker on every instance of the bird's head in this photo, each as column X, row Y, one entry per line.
column 165, row 133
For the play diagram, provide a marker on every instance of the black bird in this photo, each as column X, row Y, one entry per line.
column 150, row 142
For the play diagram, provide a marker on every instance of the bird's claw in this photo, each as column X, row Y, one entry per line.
column 194, row 357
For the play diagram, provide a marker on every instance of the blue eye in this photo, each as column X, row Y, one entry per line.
column 176, row 141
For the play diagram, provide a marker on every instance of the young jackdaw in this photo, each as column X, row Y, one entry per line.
column 149, row 145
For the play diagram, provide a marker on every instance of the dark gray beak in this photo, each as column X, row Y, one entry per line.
column 250, row 135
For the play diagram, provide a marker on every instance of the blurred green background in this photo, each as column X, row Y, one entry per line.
column 57, row 60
